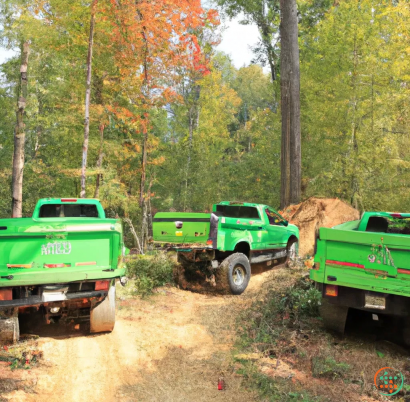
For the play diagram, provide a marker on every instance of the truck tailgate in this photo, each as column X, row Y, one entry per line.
column 181, row 227
column 38, row 254
column 362, row 259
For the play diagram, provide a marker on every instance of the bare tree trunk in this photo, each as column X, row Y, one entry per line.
column 290, row 102
column 143, row 167
column 20, row 137
column 99, row 162
column 134, row 234
column 87, row 99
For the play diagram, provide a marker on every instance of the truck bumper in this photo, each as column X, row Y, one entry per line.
column 38, row 300
column 395, row 305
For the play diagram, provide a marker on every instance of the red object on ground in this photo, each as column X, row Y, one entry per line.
column 221, row 384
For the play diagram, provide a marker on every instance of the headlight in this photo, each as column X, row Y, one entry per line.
column 54, row 310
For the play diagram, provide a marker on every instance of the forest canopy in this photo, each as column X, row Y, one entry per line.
column 174, row 125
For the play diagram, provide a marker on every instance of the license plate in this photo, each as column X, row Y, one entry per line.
column 378, row 302
column 53, row 296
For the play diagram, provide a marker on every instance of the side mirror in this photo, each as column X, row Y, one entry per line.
column 285, row 223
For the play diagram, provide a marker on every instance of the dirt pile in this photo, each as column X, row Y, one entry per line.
column 314, row 213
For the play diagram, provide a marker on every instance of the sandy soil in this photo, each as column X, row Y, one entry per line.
column 172, row 347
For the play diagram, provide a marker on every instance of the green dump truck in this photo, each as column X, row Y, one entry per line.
column 60, row 265
column 365, row 265
column 223, row 244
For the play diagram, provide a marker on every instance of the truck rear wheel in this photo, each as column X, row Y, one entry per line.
column 334, row 316
column 9, row 328
column 235, row 273
column 102, row 317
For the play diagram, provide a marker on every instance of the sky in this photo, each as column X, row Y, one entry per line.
column 236, row 41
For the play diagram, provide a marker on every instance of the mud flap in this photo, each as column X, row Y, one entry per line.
column 102, row 316
column 9, row 326
column 334, row 316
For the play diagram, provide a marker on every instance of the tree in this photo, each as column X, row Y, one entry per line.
column 87, row 99
column 291, row 158
column 20, row 136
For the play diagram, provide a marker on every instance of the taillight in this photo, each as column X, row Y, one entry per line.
column 396, row 215
column 102, row 285
column 6, row 294
column 209, row 242
column 331, row 290
column 57, row 265
column 68, row 200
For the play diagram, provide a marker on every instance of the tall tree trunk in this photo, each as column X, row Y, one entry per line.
column 20, row 136
column 99, row 162
column 143, row 167
column 290, row 103
column 87, row 99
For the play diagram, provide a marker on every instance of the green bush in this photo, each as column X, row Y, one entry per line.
column 301, row 299
column 150, row 271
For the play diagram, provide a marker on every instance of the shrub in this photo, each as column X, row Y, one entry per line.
column 301, row 299
column 150, row 271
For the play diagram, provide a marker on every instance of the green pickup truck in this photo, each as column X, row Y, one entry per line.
column 365, row 265
column 223, row 244
column 60, row 265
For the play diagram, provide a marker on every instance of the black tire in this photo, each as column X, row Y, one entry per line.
column 334, row 316
column 292, row 252
column 102, row 317
column 9, row 330
column 234, row 273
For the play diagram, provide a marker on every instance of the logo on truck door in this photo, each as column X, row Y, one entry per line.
column 63, row 247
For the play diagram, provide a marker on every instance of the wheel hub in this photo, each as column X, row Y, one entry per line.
column 238, row 275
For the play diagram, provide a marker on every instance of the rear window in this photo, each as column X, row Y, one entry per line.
column 68, row 211
column 392, row 224
column 237, row 212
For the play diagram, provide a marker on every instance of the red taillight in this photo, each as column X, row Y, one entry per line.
column 56, row 265
column 209, row 242
column 331, row 290
column 6, row 294
column 68, row 200
column 102, row 285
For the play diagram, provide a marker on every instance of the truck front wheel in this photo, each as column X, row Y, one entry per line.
column 292, row 249
column 235, row 273
column 102, row 317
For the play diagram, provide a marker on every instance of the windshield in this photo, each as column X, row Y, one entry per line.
column 68, row 211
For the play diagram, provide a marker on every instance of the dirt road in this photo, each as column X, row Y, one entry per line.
column 171, row 347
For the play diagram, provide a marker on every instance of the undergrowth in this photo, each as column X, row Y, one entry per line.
column 149, row 271
column 314, row 365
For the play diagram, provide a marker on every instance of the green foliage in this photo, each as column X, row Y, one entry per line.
column 301, row 299
column 150, row 271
